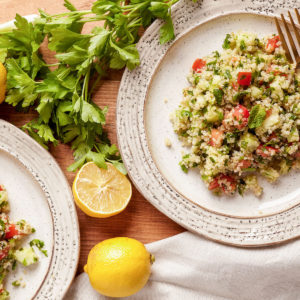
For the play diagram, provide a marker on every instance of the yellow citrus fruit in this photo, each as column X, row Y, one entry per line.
column 2, row 82
column 101, row 193
column 119, row 267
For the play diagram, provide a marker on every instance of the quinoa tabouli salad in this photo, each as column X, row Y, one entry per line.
column 240, row 116
column 11, row 251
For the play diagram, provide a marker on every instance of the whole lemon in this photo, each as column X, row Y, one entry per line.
column 119, row 267
column 2, row 82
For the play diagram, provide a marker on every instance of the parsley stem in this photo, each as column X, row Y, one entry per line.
column 86, row 84
column 94, row 85
column 53, row 65
column 92, row 19
column 71, row 13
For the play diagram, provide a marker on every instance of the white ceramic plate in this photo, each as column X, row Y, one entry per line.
column 40, row 194
column 143, row 124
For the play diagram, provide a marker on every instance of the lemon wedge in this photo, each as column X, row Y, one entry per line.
column 3, row 74
column 101, row 193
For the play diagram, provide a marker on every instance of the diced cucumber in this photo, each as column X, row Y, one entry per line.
column 284, row 167
column 270, row 173
column 26, row 256
column 248, row 142
column 256, row 92
column 214, row 115
column 293, row 136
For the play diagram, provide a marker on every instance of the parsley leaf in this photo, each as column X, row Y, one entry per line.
column 167, row 31
column 257, row 116
column 218, row 93
column 40, row 245
column 62, row 93
column 226, row 44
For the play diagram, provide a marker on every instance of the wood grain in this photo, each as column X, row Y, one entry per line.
column 140, row 220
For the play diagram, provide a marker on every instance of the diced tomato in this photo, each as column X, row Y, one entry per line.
column 4, row 252
column 272, row 136
column 12, row 231
column 266, row 151
column 241, row 115
column 214, row 184
column 198, row 65
column 225, row 182
column 1, row 188
column 217, row 137
column 235, row 86
column 297, row 154
column 244, row 164
column 269, row 69
column 272, row 43
column 268, row 113
column 276, row 72
column 244, row 78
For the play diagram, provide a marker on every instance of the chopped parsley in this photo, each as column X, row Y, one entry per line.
column 218, row 93
column 226, row 44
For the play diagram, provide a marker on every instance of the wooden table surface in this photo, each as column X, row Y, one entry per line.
column 140, row 220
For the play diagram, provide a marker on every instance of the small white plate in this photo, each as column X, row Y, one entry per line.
column 143, row 124
column 39, row 193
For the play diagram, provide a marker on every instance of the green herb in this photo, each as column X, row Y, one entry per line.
column 257, row 116
column 14, row 264
column 16, row 283
column 216, row 54
column 3, row 226
column 257, row 42
column 204, row 177
column 63, row 94
column 242, row 45
column 241, row 189
column 39, row 244
column 220, row 115
column 271, row 78
column 226, row 44
column 255, row 74
column 240, row 95
column 196, row 80
column 249, row 169
column 244, row 144
column 185, row 114
column 211, row 65
column 228, row 74
column 212, row 159
column 218, row 93
column 183, row 168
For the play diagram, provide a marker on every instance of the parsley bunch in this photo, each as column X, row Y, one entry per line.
column 62, row 93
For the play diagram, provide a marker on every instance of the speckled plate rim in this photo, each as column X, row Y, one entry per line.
column 66, row 238
column 243, row 232
column 181, row 36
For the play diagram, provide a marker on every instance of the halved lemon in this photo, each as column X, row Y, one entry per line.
column 101, row 193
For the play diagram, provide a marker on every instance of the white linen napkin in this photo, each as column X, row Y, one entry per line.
column 190, row 267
